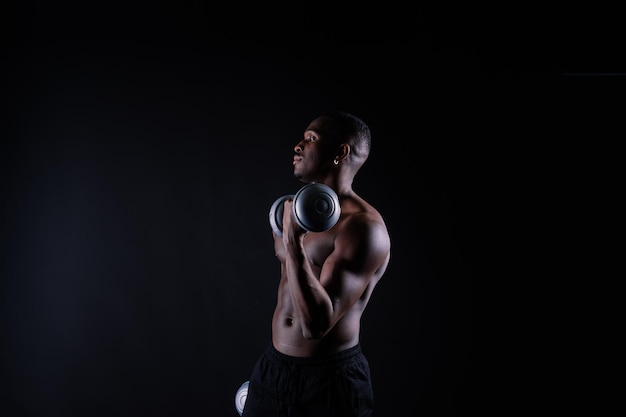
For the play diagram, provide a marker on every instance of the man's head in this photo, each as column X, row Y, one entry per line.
column 334, row 143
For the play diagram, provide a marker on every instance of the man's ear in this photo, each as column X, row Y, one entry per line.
column 342, row 152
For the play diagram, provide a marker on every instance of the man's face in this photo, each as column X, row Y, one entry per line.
column 313, row 154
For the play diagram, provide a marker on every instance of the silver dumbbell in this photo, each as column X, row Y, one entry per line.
column 315, row 207
column 241, row 396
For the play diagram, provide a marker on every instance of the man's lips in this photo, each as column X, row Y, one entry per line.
column 297, row 159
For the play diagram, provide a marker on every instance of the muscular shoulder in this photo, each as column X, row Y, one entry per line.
column 363, row 238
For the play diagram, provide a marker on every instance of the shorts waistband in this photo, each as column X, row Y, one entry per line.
column 337, row 357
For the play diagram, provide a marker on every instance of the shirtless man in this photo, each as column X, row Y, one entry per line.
column 314, row 365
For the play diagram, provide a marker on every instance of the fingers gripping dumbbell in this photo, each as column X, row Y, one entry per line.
column 315, row 207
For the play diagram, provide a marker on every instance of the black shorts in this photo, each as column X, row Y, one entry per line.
column 336, row 385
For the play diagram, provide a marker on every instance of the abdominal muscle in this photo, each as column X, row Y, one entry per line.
column 287, row 335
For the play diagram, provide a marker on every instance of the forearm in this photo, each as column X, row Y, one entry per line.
column 310, row 299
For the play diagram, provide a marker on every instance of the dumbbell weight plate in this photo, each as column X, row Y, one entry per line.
column 276, row 214
column 241, row 396
column 316, row 207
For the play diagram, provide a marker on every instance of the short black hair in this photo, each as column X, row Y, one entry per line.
column 354, row 129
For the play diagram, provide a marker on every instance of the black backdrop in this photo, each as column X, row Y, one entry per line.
column 143, row 147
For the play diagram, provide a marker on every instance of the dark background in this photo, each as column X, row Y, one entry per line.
column 143, row 146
